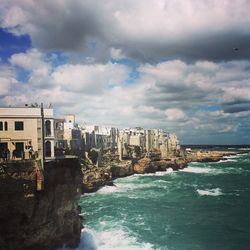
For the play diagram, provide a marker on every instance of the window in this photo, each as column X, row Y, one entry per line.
column 1, row 126
column 48, row 128
column 18, row 125
column 48, row 149
column 5, row 126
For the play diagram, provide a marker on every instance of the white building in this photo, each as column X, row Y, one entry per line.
column 98, row 137
column 72, row 134
column 21, row 128
column 137, row 140
column 60, row 143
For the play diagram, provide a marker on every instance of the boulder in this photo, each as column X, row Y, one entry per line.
column 144, row 165
column 122, row 169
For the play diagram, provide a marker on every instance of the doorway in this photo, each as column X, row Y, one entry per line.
column 19, row 149
column 3, row 146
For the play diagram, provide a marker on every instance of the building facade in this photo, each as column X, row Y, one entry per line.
column 21, row 129
column 73, row 136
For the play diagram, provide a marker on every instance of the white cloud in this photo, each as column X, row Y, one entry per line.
column 15, row 19
column 32, row 60
column 90, row 78
column 7, row 80
column 175, row 114
column 116, row 54
column 165, row 95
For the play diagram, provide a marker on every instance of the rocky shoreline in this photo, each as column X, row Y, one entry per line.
column 94, row 178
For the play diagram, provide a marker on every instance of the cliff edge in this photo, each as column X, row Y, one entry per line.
column 45, row 219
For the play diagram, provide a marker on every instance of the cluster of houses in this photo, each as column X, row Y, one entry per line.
column 33, row 128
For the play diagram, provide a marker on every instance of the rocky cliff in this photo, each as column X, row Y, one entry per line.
column 95, row 177
column 208, row 156
column 147, row 165
column 122, row 169
column 45, row 219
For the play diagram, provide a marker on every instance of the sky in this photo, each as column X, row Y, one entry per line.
column 179, row 65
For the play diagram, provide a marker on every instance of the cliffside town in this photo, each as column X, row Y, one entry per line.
column 46, row 163
column 32, row 132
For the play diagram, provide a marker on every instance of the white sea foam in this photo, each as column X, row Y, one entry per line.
column 211, row 192
column 115, row 239
column 108, row 189
column 117, row 188
column 157, row 173
column 196, row 170
column 226, row 160
column 127, row 184
column 161, row 181
column 235, row 156
column 169, row 170
column 123, row 187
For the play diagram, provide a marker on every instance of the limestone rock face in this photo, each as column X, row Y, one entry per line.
column 181, row 163
column 160, row 165
column 175, row 164
column 208, row 156
column 125, row 168
column 47, row 219
column 95, row 177
column 144, row 166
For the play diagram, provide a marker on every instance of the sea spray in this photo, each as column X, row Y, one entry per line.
column 115, row 239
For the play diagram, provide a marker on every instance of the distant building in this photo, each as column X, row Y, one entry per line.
column 60, row 142
column 113, row 135
column 73, row 136
column 21, row 129
column 98, row 137
column 148, row 140
column 137, row 140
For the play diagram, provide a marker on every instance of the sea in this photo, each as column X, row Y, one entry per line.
column 205, row 206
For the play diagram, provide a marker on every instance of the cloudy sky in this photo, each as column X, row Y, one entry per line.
column 180, row 65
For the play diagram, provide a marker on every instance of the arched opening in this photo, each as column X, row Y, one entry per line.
column 48, row 149
column 47, row 128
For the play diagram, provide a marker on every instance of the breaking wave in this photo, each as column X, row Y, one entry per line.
column 196, row 170
column 158, row 173
column 227, row 160
column 210, row 192
column 110, row 239
column 108, row 189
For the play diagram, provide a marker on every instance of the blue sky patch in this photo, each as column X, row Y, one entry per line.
column 11, row 44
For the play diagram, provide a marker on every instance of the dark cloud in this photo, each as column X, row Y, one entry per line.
column 236, row 107
column 145, row 31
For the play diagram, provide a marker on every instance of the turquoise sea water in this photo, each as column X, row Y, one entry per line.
column 204, row 207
